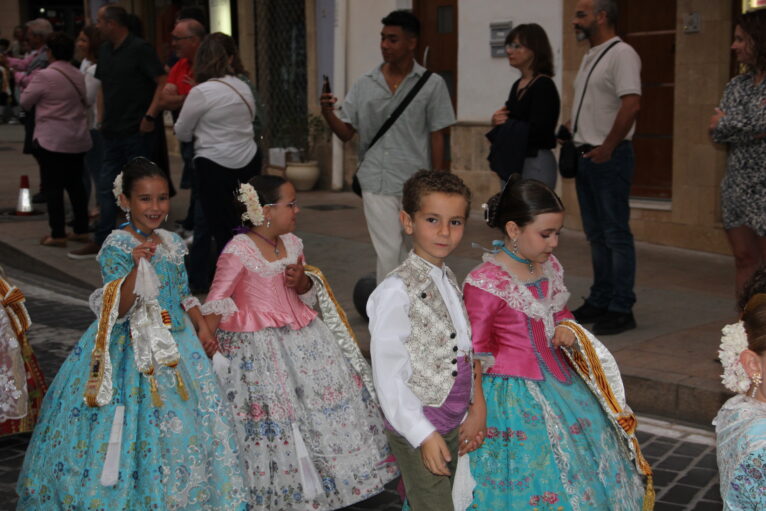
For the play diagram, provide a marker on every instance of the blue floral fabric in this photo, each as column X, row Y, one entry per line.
column 182, row 455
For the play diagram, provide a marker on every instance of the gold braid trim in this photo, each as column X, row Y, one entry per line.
column 97, row 358
column 341, row 313
column 592, row 371
column 13, row 300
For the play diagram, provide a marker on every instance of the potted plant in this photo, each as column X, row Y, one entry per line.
column 305, row 173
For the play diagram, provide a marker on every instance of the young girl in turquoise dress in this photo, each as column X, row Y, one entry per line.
column 134, row 418
column 550, row 445
column 741, row 423
column 309, row 425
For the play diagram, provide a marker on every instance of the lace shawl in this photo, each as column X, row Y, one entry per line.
column 515, row 293
column 13, row 382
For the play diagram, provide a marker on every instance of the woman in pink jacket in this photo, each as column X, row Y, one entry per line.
column 61, row 138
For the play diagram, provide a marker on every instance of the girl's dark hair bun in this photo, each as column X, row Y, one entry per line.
column 520, row 201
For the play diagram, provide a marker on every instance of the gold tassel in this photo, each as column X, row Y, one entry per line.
column 649, row 494
column 156, row 399
column 181, row 386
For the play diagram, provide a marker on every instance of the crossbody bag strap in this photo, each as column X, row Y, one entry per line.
column 400, row 108
column 585, row 87
column 249, row 108
column 82, row 98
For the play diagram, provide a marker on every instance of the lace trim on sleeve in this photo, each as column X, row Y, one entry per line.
column 309, row 297
column 224, row 307
column 190, row 302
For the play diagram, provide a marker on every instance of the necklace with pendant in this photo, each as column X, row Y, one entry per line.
column 521, row 260
column 267, row 240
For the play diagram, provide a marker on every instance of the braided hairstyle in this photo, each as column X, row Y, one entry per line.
column 520, row 201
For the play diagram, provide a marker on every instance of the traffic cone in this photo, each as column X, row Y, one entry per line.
column 24, row 206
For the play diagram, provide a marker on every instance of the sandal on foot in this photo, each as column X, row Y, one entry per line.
column 48, row 241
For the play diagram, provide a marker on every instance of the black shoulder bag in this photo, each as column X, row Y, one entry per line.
column 355, row 186
column 568, row 156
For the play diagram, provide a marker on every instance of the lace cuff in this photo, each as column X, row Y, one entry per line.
column 224, row 307
column 310, row 296
column 190, row 302
column 95, row 301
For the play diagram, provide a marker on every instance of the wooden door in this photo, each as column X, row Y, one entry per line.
column 650, row 27
column 437, row 45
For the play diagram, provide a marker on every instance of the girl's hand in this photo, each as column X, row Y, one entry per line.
column 296, row 278
column 472, row 432
column 500, row 116
column 208, row 341
column 144, row 251
column 435, row 454
column 719, row 114
column 563, row 336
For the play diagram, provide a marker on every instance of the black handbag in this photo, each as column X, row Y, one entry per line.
column 355, row 186
column 568, row 154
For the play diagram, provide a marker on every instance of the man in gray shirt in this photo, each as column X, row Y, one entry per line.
column 415, row 141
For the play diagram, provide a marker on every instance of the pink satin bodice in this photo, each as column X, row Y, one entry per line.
column 257, row 288
column 507, row 320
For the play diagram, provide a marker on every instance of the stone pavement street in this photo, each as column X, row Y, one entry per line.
column 683, row 457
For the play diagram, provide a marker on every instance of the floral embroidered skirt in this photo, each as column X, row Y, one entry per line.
column 181, row 455
column 295, row 396
column 549, row 446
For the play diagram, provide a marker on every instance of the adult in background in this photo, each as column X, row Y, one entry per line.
column 58, row 95
column 186, row 38
column 131, row 79
column 218, row 115
column 87, row 45
column 37, row 31
column 740, row 122
column 533, row 102
column 605, row 167
column 415, row 141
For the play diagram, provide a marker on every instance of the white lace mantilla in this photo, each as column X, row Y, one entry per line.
column 252, row 258
column 13, row 382
column 517, row 295
column 171, row 247
column 737, row 434
column 224, row 307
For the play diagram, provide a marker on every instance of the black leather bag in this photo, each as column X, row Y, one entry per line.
column 568, row 159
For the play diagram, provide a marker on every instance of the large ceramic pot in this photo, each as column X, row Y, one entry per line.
column 303, row 175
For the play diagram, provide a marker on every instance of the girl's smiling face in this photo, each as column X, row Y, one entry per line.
column 282, row 213
column 149, row 203
column 538, row 239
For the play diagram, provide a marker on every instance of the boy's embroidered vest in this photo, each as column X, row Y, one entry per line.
column 432, row 343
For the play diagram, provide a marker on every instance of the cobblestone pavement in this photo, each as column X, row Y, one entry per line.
column 683, row 458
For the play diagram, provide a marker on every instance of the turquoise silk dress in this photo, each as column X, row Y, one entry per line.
column 549, row 445
column 740, row 428
column 179, row 455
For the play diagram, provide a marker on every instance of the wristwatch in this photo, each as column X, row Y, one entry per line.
column 150, row 118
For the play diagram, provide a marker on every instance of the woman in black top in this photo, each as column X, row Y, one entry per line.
column 533, row 100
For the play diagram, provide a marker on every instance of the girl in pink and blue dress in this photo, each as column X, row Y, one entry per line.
column 549, row 444
column 310, row 430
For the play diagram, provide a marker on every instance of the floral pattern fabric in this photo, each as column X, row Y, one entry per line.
column 741, row 447
column 181, row 455
column 549, row 446
column 279, row 379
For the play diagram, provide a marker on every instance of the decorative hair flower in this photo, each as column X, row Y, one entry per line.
column 733, row 343
column 249, row 197
column 117, row 190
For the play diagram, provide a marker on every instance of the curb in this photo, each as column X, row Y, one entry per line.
column 20, row 260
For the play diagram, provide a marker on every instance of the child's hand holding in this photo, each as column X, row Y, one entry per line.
column 435, row 454
column 144, row 250
column 563, row 336
column 208, row 340
column 296, row 278
column 473, row 429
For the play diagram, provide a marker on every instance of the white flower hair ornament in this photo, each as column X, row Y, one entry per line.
column 253, row 210
column 733, row 343
column 117, row 191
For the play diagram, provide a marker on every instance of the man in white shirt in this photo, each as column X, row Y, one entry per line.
column 602, row 134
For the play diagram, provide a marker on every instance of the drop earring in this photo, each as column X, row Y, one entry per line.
column 515, row 246
column 127, row 215
column 756, row 380
column 268, row 223
column 166, row 218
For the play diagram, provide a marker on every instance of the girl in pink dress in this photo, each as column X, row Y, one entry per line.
column 310, row 429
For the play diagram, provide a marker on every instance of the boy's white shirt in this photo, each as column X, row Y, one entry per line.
column 388, row 310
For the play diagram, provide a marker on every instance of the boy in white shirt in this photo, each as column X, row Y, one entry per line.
column 422, row 361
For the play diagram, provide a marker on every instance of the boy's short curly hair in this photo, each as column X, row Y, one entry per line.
column 424, row 182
